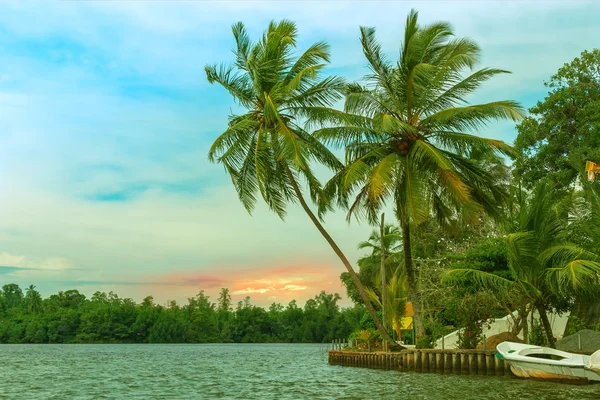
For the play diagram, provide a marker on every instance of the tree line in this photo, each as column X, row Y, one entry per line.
column 70, row 317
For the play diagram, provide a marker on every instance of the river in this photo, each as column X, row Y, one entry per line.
column 237, row 371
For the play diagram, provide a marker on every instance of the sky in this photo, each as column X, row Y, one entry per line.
column 106, row 118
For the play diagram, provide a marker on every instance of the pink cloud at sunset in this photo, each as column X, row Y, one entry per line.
column 265, row 284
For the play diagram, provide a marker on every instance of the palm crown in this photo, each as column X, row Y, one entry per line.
column 266, row 148
column 406, row 137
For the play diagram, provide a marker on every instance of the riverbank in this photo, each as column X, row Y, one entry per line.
column 457, row 362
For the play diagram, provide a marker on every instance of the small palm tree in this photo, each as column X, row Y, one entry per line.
column 543, row 264
column 407, row 135
column 396, row 296
column 33, row 300
column 392, row 239
column 266, row 150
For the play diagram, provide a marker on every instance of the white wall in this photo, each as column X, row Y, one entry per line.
column 505, row 324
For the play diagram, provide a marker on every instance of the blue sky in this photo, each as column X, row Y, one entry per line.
column 106, row 117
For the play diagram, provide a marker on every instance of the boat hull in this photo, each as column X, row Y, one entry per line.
column 527, row 361
column 551, row 372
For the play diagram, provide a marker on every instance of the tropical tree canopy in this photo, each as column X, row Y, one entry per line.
column 266, row 149
column 562, row 132
column 408, row 136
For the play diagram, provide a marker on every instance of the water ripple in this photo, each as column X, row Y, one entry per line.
column 237, row 371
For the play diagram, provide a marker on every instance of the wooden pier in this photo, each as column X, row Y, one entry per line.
column 458, row 362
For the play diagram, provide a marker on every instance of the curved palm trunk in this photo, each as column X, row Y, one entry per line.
column 413, row 289
column 361, row 289
column 547, row 326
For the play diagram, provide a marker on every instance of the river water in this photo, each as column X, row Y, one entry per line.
column 237, row 371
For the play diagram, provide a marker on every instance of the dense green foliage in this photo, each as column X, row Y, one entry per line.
column 562, row 131
column 69, row 317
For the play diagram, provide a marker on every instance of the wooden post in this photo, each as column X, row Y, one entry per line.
column 439, row 363
column 481, row 367
column 464, row 364
column 507, row 370
column 472, row 363
column 452, row 364
column 425, row 361
column 418, row 361
column 499, row 366
column 491, row 364
column 412, row 361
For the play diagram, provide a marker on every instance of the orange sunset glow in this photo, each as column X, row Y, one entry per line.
column 279, row 283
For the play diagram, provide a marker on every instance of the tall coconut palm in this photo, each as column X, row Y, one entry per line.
column 544, row 265
column 266, row 150
column 408, row 138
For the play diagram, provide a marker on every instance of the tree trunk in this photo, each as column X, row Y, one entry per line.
column 413, row 288
column 524, row 315
column 361, row 289
column 546, row 324
column 383, row 272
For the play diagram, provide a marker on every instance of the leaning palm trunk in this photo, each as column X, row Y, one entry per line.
column 266, row 148
column 359, row 286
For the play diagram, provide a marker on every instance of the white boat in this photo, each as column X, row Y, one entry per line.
column 529, row 361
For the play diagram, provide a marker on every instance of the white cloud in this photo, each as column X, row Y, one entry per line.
column 294, row 288
column 49, row 264
column 251, row 290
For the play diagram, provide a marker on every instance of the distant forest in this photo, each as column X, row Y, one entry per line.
column 70, row 317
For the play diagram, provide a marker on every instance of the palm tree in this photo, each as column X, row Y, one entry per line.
column 370, row 264
column 391, row 240
column 406, row 135
column 33, row 299
column 544, row 265
column 266, row 150
column 395, row 299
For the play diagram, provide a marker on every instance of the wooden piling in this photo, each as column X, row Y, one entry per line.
column 472, row 364
column 449, row 365
column 499, row 366
column 507, row 370
column 481, row 365
column 439, row 362
column 491, row 364
column 464, row 364
column 425, row 361
column 418, row 361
